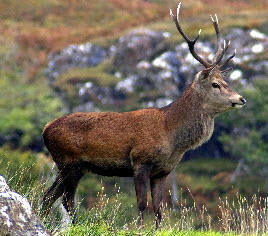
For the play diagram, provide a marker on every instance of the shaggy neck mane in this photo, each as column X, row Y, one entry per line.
column 184, row 109
column 185, row 119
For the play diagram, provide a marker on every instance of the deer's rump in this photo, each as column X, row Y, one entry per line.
column 94, row 141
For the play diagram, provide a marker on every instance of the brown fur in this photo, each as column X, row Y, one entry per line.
column 146, row 143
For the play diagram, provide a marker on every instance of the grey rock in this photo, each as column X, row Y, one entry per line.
column 83, row 55
column 16, row 214
column 138, row 45
column 143, row 68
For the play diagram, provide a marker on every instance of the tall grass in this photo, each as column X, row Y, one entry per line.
column 241, row 216
column 244, row 216
column 114, row 216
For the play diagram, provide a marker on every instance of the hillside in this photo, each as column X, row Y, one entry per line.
column 40, row 27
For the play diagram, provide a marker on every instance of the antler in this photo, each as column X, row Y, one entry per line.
column 228, row 59
column 220, row 50
column 190, row 42
column 218, row 44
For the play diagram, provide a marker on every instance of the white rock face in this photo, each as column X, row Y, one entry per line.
column 257, row 34
column 16, row 214
column 236, row 74
column 257, row 48
column 127, row 84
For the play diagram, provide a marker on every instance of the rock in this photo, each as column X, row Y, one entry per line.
column 142, row 68
column 252, row 48
column 136, row 46
column 16, row 214
column 83, row 55
column 127, row 85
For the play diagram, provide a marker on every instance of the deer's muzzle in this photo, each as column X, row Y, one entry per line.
column 242, row 101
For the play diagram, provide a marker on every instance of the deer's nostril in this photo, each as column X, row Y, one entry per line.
column 243, row 100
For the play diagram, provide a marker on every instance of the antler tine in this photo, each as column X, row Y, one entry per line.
column 191, row 43
column 222, row 52
column 228, row 59
column 218, row 34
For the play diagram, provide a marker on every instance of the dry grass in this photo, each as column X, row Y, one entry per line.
column 244, row 216
column 110, row 215
column 240, row 216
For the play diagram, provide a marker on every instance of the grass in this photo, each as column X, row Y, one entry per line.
column 111, row 214
column 101, row 231
column 240, row 217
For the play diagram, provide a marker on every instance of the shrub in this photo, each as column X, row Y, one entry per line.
column 247, row 134
column 25, row 109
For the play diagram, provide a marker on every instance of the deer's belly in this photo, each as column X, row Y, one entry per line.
column 111, row 167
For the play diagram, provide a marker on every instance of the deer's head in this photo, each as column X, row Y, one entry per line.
column 209, row 82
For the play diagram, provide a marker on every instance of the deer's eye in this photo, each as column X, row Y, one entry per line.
column 215, row 85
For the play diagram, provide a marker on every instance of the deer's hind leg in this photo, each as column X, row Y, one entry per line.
column 70, row 185
column 52, row 194
column 65, row 184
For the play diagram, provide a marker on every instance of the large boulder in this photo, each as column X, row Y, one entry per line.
column 138, row 45
column 16, row 214
column 73, row 56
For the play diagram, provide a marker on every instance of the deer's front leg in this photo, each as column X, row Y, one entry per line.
column 157, row 188
column 141, row 176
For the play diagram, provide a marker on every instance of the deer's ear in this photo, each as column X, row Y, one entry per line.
column 226, row 73
column 207, row 72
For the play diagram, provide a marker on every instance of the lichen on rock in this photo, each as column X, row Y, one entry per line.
column 16, row 214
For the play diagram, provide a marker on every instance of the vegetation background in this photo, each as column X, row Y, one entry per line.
column 31, row 30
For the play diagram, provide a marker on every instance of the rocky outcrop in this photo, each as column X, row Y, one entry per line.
column 73, row 56
column 143, row 68
column 16, row 214
column 138, row 45
column 84, row 55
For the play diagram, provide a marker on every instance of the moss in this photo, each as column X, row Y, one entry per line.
column 100, row 75
column 208, row 167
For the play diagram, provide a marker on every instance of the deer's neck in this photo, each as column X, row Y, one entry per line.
column 188, row 124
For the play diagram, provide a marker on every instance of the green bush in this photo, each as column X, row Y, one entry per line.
column 248, row 128
column 25, row 109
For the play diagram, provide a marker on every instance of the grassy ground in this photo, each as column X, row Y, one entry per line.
column 101, row 231
column 113, row 209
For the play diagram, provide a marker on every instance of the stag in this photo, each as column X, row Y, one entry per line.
column 146, row 144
